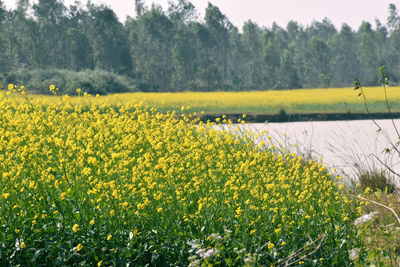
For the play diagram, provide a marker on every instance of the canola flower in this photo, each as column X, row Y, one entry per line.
column 75, row 228
column 79, row 247
column 299, row 100
column 132, row 184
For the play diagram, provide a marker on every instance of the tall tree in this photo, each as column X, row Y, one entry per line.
column 184, row 54
column 345, row 66
column 218, row 26
column 316, row 63
column 367, row 53
column 3, row 60
column 252, row 44
column 79, row 49
column 51, row 18
column 26, row 37
column 288, row 77
column 151, row 37
column 109, row 40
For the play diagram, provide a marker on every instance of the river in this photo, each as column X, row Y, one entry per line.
column 348, row 146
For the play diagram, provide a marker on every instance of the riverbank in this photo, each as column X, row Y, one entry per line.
column 295, row 117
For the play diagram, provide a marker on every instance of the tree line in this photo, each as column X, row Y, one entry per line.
column 175, row 50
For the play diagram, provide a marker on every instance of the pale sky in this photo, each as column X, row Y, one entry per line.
column 265, row 12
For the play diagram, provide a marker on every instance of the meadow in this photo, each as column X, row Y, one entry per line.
column 84, row 182
column 331, row 100
column 94, row 185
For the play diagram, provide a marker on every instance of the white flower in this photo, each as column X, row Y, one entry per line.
column 365, row 218
column 215, row 236
column 200, row 251
column 210, row 253
column 354, row 253
column 195, row 263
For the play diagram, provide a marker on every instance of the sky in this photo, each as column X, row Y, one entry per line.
column 265, row 12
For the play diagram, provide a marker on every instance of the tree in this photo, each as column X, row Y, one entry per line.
column 293, row 29
column 252, row 45
column 393, row 20
column 218, row 26
column 316, row 63
column 288, row 77
column 79, row 49
column 367, row 53
column 51, row 18
column 151, row 38
column 25, row 36
column 3, row 60
column 322, row 30
column 344, row 63
column 393, row 48
column 108, row 39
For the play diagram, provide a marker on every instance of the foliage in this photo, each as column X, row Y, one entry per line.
column 379, row 230
column 86, row 184
column 377, row 180
column 92, row 82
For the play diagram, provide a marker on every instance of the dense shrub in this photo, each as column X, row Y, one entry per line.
column 90, row 81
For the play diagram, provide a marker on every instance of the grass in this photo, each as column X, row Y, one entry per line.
column 378, row 229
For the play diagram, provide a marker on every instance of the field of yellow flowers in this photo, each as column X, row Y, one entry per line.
column 335, row 100
column 89, row 184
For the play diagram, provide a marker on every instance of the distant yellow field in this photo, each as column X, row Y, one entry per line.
column 301, row 100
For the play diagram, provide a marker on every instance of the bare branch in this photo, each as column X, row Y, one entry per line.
column 386, row 166
column 382, row 205
column 296, row 254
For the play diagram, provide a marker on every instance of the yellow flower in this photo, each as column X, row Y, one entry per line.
column 79, row 247
column 271, row 245
column 75, row 228
column 112, row 212
column 109, row 237
column 99, row 263
column 91, row 222
column 23, row 245
column 159, row 209
column 283, row 243
column 6, row 195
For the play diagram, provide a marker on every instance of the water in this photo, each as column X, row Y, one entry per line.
column 347, row 146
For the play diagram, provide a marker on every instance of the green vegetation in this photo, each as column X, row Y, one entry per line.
column 379, row 227
column 93, row 185
column 67, row 81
